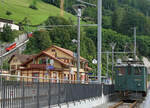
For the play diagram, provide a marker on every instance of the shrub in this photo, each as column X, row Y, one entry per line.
column 33, row 7
column 8, row 13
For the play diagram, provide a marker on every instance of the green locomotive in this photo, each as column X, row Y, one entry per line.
column 131, row 80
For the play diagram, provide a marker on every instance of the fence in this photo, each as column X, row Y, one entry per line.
column 22, row 94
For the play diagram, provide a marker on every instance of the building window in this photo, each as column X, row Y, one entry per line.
column 72, row 62
column 65, row 77
column 82, row 65
column 66, row 60
column 42, row 61
column 53, row 50
column 18, row 66
column 13, row 66
column 15, row 60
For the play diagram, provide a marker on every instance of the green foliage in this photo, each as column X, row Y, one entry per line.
column 53, row 2
column 6, row 65
column 143, row 45
column 40, row 41
column 33, row 5
column 53, row 20
column 8, row 13
column 20, row 9
column 7, row 34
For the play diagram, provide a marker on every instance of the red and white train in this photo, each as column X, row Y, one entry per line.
column 13, row 45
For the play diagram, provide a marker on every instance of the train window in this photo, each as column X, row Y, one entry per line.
column 129, row 70
column 138, row 71
column 121, row 71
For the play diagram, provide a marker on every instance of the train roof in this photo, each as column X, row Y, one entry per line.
column 131, row 63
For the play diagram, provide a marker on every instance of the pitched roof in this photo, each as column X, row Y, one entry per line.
column 43, row 52
column 22, row 57
column 66, row 51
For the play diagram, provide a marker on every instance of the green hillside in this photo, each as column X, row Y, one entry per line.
column 20, row 9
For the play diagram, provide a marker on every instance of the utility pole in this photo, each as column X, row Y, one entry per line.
column 99, row 39
column 78, row 8
column 135, row 43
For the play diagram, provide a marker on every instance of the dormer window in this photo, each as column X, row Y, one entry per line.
column 53, row 50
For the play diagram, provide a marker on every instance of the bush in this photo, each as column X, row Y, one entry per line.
column 8, row 13
column 33, row 7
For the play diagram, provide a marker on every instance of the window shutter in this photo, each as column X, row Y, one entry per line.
column 40, row 61
column 48, row 61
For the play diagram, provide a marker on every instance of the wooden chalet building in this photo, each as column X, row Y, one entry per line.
column 15, row 61
column 55, row 62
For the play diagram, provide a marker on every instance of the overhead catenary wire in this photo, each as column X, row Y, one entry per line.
column 83, row 25
column 86, row 3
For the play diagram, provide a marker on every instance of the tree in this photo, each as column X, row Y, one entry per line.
column 7, row 34
column 40, row 41
column 117, row 18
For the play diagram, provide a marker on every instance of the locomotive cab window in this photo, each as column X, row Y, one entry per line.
column 138, row 71
column 129, row 70
column 121, row 71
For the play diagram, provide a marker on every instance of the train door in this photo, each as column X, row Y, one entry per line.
column 129, row 78
column 139, row 79
column 121, row 78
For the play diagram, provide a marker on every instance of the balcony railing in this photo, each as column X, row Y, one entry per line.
column 38, row 66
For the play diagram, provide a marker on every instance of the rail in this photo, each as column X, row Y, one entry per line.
column 18, row 46
column 132, row 105
column 117, row 104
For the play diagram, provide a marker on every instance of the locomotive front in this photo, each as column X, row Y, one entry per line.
column 131, row 80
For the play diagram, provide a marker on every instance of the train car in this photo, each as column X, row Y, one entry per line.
column 10, row 47
column 131, row 80
column 30, row 34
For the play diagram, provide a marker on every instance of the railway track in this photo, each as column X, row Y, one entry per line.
column 122, row 104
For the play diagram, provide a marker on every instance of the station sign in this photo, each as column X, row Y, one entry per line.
column 49, row 67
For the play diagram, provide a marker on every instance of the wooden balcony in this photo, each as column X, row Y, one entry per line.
column 38, row 66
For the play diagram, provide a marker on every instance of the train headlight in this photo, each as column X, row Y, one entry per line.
column 139, row 84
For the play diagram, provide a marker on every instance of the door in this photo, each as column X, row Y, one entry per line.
column 129, row 78
column 120, row 78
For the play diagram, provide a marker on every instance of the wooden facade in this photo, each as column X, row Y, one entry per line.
column 55, row 63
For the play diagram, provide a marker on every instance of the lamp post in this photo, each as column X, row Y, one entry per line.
column 1, row 48
column 94, row 61
column 78, row 8
column 113, row 47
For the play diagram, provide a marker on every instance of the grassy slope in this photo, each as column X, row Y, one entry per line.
column 20, row 9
